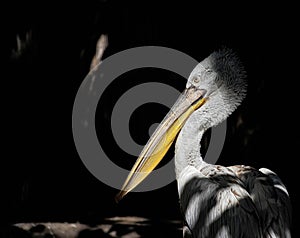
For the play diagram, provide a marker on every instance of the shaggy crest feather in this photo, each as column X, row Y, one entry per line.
column 231, row 75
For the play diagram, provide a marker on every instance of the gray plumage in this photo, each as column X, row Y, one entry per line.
column 217, row 201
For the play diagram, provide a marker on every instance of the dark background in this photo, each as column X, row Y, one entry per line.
column 44, row 178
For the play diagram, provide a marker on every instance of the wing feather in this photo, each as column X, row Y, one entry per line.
column 271, row 200
column 215, row 204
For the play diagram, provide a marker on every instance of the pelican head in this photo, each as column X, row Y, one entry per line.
column 221, row 78
column 214, row 89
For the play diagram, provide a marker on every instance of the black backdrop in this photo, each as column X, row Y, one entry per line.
column 45, row 179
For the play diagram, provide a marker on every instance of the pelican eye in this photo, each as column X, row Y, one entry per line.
column 196, row 80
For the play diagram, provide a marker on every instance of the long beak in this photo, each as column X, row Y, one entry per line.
column 162, row 138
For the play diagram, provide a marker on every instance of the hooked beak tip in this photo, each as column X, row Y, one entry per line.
column 120, row 196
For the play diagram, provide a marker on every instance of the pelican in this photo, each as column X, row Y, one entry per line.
column 216, row 201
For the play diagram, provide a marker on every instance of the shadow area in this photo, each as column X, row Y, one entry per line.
column 251, row 204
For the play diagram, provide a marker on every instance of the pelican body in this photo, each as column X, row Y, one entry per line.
column 216, row 201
